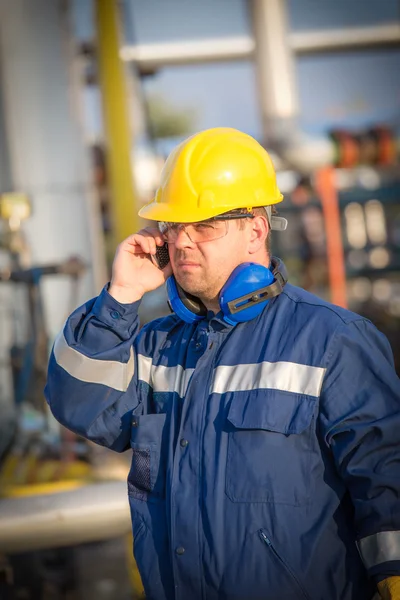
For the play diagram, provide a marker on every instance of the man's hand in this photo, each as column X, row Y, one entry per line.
column 133, row 272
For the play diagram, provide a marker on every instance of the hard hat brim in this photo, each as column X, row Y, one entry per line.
column 160, row 211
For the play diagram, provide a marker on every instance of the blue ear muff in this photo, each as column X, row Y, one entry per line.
column 189, row 308
column 243, row 297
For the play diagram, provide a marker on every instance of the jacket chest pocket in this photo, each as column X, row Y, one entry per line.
column 270, row 447
column 146, row 479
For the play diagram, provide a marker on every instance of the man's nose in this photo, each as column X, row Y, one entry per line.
column 183, row 240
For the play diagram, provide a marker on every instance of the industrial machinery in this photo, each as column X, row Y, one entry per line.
column 64, row 515
column 344, row 242
column 62, row 508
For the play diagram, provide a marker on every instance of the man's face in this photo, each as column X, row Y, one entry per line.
column 202, row 268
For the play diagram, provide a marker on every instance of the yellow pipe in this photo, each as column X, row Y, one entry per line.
column 134, row 575
column 116, row 120
column 43, row 489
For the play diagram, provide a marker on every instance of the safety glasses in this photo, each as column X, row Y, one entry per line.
column 202, row 231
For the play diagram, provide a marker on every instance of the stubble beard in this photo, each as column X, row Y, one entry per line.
column 206, row 290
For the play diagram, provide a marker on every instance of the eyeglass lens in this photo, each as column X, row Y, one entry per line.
column 197, row 232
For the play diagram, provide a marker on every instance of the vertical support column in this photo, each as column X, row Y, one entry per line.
column 48, row 159
column 7, row 408
column 274, row 69
column 116, row 120
column 5, row 170
column 8, row 411
column 327, row 191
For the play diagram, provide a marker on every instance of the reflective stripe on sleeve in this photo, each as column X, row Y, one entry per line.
column 285, row 376
column 113, row 374
column 379, row 548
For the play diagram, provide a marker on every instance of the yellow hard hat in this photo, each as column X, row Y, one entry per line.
column 212, row 172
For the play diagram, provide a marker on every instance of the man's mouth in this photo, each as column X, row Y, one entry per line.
column 187, row 264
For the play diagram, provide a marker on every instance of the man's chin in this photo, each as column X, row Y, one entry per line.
column 192, row 290
column 189, row 285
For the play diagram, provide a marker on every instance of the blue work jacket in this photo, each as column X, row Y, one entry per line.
column 265, row 455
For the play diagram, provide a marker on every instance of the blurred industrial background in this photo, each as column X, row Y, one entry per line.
column 93, row 96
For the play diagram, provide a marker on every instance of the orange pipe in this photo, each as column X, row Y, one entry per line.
column 326, row 189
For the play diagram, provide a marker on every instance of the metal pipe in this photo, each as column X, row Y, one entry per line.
column 149, row 57
column 6, row 184
column 7, row 408
column 154, row 56
column 87, row 514
column 328, row 193
column 116, row 119
column 48, row 159
column 275, row 69
column 350, row 38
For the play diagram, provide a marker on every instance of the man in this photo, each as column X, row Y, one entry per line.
column 264, row 423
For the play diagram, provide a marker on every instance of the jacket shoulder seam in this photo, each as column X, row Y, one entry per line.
column 322, row 306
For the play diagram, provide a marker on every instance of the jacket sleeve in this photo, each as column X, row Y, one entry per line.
column 92, row 375
column 360, row 416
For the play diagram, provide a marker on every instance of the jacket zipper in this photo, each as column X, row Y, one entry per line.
column 286, row 567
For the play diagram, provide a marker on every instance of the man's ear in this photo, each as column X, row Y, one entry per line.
column 259, row 233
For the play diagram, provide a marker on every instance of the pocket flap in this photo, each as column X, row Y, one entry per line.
column 272, row 410
column 148, row 429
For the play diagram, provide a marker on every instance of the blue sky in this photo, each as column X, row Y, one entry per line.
column 347, row 89
column 162, row 20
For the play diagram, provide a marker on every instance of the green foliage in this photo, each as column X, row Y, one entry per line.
column 165, row 120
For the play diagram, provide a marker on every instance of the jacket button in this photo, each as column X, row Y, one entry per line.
column 180, row 550
column 135, row 422
column 115, row 314
column 183, row 443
